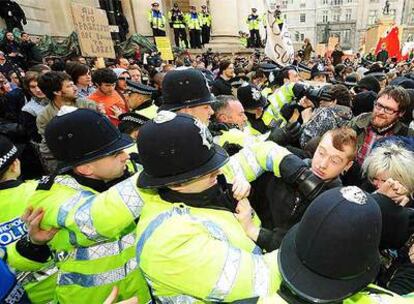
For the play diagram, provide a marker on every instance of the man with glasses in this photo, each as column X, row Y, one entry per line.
column 384, row 120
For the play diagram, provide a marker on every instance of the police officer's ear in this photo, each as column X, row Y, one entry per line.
column 15, row 166
column 85, row 170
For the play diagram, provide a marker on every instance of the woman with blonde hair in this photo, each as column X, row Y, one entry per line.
column 391, row 162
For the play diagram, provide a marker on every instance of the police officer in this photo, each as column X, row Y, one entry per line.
column 339, row 261
column 186, row 91
column 90, row 259
column 194, row 23
column 205, row 24
column 177, row 22
column 271, row 71
column 318, row 73
column 139, row 98
column 253, row 22
column 157, row 20
column 287, row 94
column 254, row 104
column 14, row 199
column 189, row 228
column 129, row 125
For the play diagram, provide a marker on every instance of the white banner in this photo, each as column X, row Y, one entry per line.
column 279, row 45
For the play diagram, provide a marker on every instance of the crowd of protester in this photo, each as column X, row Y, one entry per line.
column 297, row 132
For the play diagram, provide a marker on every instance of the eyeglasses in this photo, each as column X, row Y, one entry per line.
column 384, row 108
column 123, row 78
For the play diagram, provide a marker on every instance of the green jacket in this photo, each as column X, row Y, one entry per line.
column 176, row 19
column 361, row 123
column 95, row 244
column 253, row 22
column 284, row 95
column 156, row 20
column 206, row 19
column 40, row 279
column 194, row 22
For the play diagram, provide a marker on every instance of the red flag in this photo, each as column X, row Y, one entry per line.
column 392, row 44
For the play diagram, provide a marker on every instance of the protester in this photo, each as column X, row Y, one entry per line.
column 149, row 162
column 59, row 88
column 82, row 78
column 222, row 85
column 106, row 95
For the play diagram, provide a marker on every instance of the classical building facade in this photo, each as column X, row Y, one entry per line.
column 313, row 19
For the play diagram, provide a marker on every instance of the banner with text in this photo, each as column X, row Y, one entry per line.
column 94, row 32
column 279, row 46
column 164, row 47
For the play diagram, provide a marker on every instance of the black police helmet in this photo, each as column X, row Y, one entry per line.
column 185, row 88
column 175, row 148
column 82, row 136
column 333, row 252
column 251, row 97
column 8, row 153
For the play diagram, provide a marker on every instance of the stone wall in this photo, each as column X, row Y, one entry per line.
column 49, row 17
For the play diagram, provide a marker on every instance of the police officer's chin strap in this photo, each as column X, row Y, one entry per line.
column 218, row 196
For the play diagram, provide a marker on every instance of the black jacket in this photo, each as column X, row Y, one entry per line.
column 221, row 87
column 277, row 201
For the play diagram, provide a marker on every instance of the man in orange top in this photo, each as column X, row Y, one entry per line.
column 114, row 105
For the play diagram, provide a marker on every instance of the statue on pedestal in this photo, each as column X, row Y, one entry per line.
column 12, row 14
column 386, row 9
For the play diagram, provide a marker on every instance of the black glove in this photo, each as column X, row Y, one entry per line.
column 317, row 95
column 288, row 110
column 232, row 149
column 287, row 135
column 217, row 128
column 308, row 184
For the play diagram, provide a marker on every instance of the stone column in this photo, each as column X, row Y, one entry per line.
column 225, row 32
column 129, row 15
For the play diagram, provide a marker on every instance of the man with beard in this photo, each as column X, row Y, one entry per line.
column 384, row 120
column 61, row 91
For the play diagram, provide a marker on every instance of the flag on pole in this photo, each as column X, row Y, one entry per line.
column 279, row 46
column 392, row 43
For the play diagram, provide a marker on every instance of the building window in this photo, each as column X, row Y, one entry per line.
column 348, row 15
column 324, row 2
column 302, row 5
column 302, row 37
column 346, row 35
column 372, row 17
column 374, row 1
column 349, row 1
column 324, row 16
column 412, row 16
column 338, row 2
column 336, row 17
column 302, row 18
column 297, row 36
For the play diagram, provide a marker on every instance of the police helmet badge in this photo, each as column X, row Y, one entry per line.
column 256, row 94
column 271, row 77
column 354, row 195
column 164, row 116
column 321, row 67
column 206, row 137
